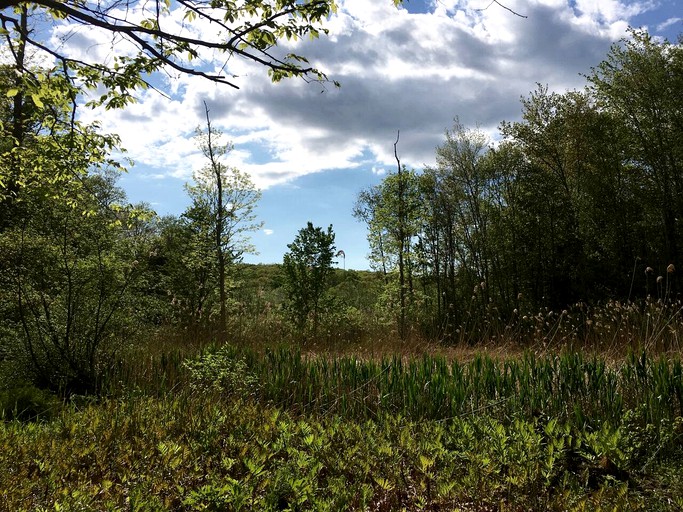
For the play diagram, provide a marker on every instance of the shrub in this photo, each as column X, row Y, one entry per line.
column 27, row 403
column 221, row 371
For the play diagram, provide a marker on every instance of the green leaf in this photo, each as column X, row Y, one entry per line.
column 12, row 93
column 36, row 99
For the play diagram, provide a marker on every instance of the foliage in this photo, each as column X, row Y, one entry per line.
column 68, row 287
column 222, row 371
column 221, row 213
column 27, row 403
column 152, row 40
column 577, row 390
column 188, row 451
column 307, row 267
column 44, row 150
column 578, row 202
column 392, row 212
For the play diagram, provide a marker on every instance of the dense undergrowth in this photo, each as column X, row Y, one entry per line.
column 207, row 452
column 275, row 430
column 556, row 412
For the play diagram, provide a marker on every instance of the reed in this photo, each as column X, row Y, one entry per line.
column 584, row 390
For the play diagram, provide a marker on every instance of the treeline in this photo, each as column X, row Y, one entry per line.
column 580, row 200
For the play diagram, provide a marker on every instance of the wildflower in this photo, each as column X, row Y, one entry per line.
column 671, row 269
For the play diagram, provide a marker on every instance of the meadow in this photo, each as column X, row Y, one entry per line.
column 554, row 412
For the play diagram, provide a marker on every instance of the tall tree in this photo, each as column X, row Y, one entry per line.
column 640, row 81
column 307, row 267
column 222, row 210
column 391, row 211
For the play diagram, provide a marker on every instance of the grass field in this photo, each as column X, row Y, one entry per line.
column 560, row 424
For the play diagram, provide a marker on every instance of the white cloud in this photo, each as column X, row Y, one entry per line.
column 399, row 71
column 668, row 23
column 268, row 232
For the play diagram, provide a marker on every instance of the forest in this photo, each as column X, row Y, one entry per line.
column 516, row 345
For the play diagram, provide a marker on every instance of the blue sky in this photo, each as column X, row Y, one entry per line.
column 312, row 149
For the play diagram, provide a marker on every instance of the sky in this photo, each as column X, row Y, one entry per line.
column 312, row 148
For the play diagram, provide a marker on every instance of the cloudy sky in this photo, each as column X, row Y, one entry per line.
column 312, row 148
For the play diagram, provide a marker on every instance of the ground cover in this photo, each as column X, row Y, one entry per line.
column 274, row 430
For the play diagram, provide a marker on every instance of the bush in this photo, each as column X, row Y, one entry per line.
column 27, row 403
column 223, row 372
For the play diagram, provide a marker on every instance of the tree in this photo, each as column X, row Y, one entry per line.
column 41, row 143
column 307, row 267
column 171, row 35
column 67, row 254
column 392, row 212
column 221, row 214
column 640, row 83
column 67, row 286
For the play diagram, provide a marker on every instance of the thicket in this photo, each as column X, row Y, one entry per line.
column 243, row 431
column 580, row 200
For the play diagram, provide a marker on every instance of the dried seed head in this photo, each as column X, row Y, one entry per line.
column 649, row 270
column 671, row 269
column 660, row 279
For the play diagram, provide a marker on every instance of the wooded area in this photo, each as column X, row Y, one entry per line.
column 579, row 202
column 144, row 366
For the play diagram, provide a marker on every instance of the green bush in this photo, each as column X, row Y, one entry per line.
column 221, row 371
column 27, row 403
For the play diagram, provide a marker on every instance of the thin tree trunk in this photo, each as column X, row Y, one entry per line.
column 220, row 255
column 401, row 246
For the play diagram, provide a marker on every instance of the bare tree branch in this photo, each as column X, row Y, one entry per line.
column 503, row 6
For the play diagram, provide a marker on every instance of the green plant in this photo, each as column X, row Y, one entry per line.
column 27, row 403
column 222, row 371
column 307, row 267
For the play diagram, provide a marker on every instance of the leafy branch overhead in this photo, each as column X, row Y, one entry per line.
column 174, row 36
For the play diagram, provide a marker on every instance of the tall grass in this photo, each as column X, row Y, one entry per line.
column 584, row 390
column 586, row 365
